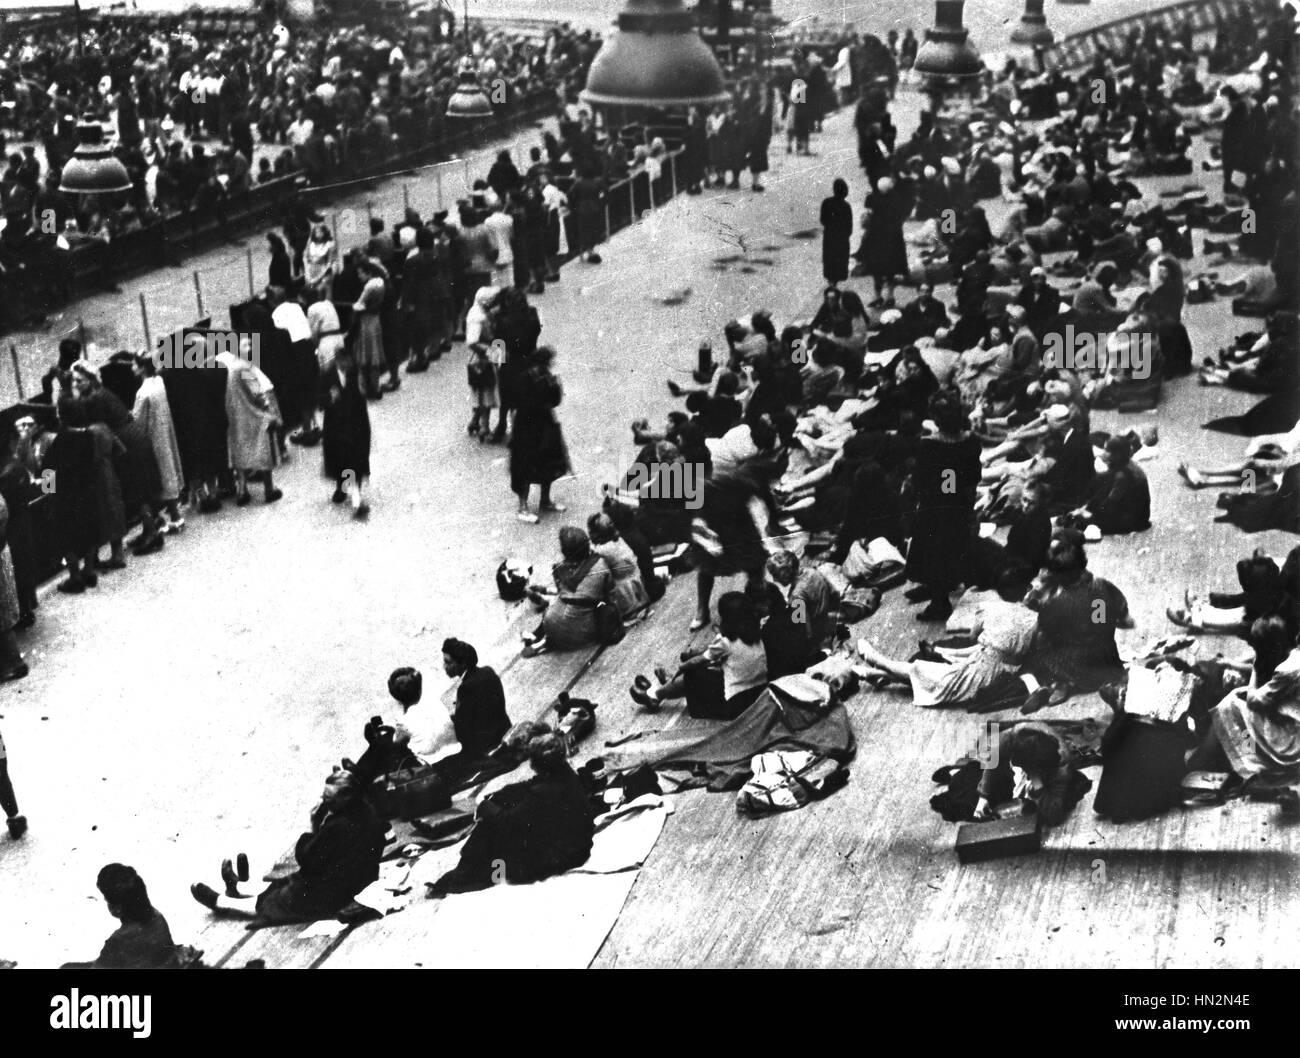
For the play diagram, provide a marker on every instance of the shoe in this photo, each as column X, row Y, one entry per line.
column 527, row 516
column 1037, row 700
column 25, row 621
column 209, row 505
column 90, row 578
column 230, row 878
column 535, row 288
column 918, row 594
column 171, row 527
column 554, row 278
column 698, row 622
column 205, row 895
column 243, row 500
column 641, row 683
column 309, row 438
column 759, row 187
column 391, row 386
column 17, row 826
column 148, row 547
column 661, row 674
column 416, row 367
column 16, row 673
column 675, row 389
column 593, row 258
column 338, row 496
column 642, row 699
column 362, row 512
column 272, row 495
column 938, row 610
column 553, row 508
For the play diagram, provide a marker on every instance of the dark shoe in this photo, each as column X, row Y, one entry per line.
column 241, row 866
column 641, row 683
column 209, row 505
column 108, row 567
column 72, row 587
column 553, row 278
column 25, row 621
column 391, row 386
column 918, row 594
column 1036, row 700
column 593, row 258
column 244, row 499
column 90, row 579
column 205, row 895
column 535, row 288
column 148, row 547
column 16, row 673
column 642, row 699
column 416, row 367
column 17, row 826
column 939, row 610
column 273, row 494
column 362, row 512
column 229, row 877
column 339, row 496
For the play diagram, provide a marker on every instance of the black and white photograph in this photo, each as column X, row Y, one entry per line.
column 600, row 484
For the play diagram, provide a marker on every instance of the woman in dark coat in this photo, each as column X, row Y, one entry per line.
column 757, row 125
column 337, row 858
column 87, row 502
column 729, row 534
column 281, row 269
column 529, row 830
column 837, row 231
column 516, row 324
column 18, row 490
column 944, row 481
column 346, row 440
column 883, row 254
column 537, row 452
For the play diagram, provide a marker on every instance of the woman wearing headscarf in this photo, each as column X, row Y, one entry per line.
column 154, row 415
column 883, row 253
column 320, row 258
column 337, row 858
column 280, row 273
column 251, row 418
column 837, row 231
column 537, row 451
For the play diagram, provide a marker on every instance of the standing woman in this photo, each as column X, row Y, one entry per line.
column 837, row 231
column 12, row 666
column 280, row 273
column 251, row 417
column 320, row 258
column 369, row 330
column 346, row 446
column 946, row 475
column 154, row 415
column 17, row 824
column 537, row 452
column 18, row 490
column 883, row 254
column 758, row 130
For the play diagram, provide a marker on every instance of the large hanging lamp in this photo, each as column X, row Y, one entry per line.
column 655, row 59
column 1032, row 29
column 92, row 169
column 947, row 53
column 468, row 101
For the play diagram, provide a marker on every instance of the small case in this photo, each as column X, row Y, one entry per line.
column 997, row 838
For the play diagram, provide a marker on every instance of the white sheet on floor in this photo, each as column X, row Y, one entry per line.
column 557, row 923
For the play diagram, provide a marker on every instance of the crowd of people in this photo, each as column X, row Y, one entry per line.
column 881, row 442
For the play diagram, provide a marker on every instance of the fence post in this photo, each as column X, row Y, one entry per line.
column 672, row 172
column 18, row 371
column 406, row 198
column 607, row 218
column 251, row 293
column 334, row 225
column 370, row 213
column 437, row 179
column 198, row 294
column 468, row 182
column 81, row 332
column 144, row 317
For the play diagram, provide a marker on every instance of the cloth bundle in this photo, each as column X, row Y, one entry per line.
column 788, row 779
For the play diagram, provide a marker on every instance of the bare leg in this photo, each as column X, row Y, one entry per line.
column 901, row 669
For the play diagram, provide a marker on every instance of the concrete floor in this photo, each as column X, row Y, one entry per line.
column 188, row 708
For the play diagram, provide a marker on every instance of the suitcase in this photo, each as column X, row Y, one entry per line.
column 992, row 840
column 1142, row 768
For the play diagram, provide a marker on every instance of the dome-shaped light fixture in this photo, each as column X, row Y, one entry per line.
column 92, row 169
column 947, row 52
column 656, row 59
column 468, row 101
column 1032, row 29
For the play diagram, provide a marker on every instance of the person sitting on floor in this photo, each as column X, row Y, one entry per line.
column 528, row 830
column 1119, row 500
column 723, row 680
column 629, row 593
column 1004, row 630
column 584, row 588
column 802, row 619
column 1033, row 762
column 143, row 941
column 480, row 717
column 337, row 858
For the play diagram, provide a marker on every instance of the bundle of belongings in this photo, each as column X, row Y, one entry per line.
column 790, row 747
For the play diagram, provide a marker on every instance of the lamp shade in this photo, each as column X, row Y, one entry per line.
column 655, row 59
column 1033, row 29
column 947, row 51
column 468, row 101
column 92, row 169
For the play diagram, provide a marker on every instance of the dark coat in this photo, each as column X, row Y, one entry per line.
column 346, row 434
column 837, row 232
column 944, row 483
column 884, row 253
column 480, row 718
column 537, row 451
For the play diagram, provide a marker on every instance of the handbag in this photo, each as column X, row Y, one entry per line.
column 414, row 792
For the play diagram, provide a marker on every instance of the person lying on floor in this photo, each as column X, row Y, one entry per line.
column 1255, row 731
column 1266, row 460
column 1266, row 591
column 1004, row 629
column 1119, row 500
column 1033, row 763
column 528, row 830
column 722, row 680
column 1271, row 365
column 337, row 858
column 143, row 941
